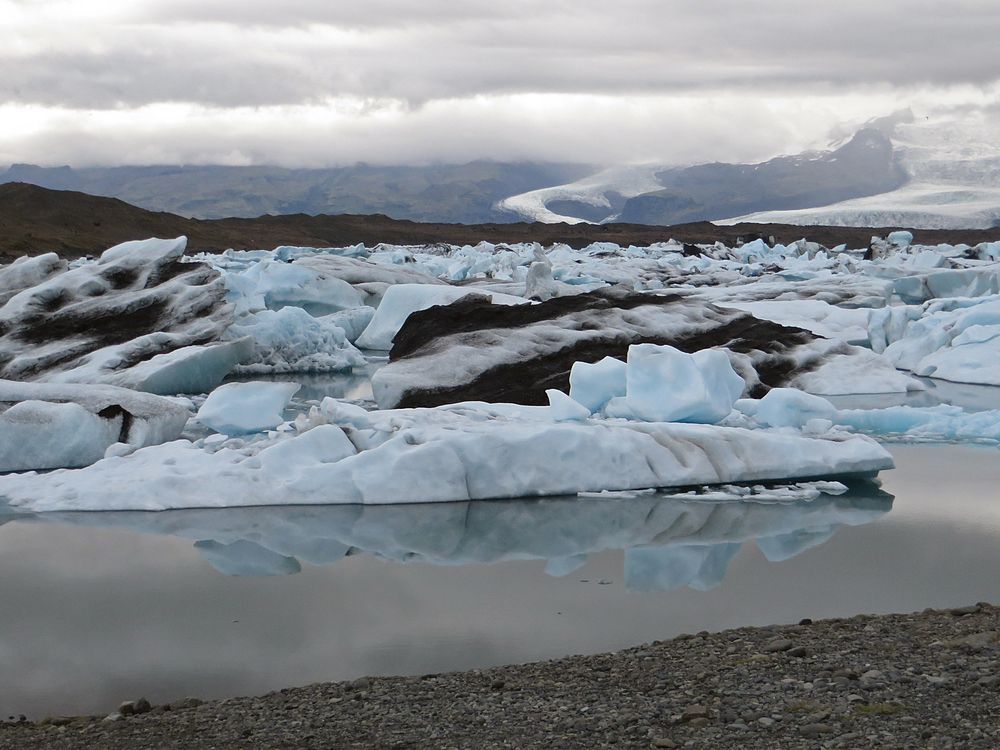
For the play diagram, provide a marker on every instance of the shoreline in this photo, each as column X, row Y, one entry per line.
column 929, row 679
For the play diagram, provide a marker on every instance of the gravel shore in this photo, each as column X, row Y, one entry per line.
column 923, row 680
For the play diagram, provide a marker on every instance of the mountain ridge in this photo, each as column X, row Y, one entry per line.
column 34, row 220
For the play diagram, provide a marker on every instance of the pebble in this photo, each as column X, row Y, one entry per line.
column 815, row 730
column 777, row 645
column 873, row 681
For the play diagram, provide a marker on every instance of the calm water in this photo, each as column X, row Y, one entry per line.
column 99, row 608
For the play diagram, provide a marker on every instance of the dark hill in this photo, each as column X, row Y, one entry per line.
column 34, row 220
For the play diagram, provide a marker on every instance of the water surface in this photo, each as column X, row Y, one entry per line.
column 102, row 607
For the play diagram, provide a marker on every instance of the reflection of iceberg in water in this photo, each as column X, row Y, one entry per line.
column 669, row 540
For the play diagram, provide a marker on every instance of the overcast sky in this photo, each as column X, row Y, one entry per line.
column 315, row 82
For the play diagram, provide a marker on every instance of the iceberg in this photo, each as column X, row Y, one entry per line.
column 241, row 408
column 956, row 340
column 664, row 384
column 403, row 300
column 292, row 340
column 446, row 454
column 120, row 319
column 49, row 426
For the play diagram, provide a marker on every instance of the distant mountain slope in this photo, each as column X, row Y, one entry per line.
column 864, row 165
column 34, row 220
column 464, row 193
column 954, row 168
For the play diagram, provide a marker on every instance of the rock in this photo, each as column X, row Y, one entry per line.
column 798, row 651
column 143, row 706
column 815, row 730
column 975, row 641
column 362, row 683
column 185, row 703
column 663, row 742
column 114, row 717
column 127, row 708
column 497, row 685
column 698, row 723
column 990, row 681
column 805, row 621
column 963, row 611
column 766, row 721
column 777, row 645
column 694, row 712
column 54, row 721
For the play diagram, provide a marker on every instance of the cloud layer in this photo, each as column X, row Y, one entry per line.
column 675, row 72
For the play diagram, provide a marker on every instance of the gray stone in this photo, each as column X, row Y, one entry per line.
column 777, row 645
column 815, row 730
column 185, row 703
column 694, row 712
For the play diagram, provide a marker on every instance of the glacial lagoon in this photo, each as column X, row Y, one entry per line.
column 101, row 607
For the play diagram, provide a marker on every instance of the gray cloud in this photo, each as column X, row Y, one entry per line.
column 313, row 82
column 227, row 54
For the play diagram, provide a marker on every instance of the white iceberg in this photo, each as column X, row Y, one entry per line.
column 47, row 426
column 291, row 340
column 402, row 300
column 446, row 454
column 664, row 384
column 241, row 408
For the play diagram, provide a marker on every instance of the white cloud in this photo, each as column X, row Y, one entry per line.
column 309, row 81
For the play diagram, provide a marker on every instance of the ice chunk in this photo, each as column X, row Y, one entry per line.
column 862, row 371
column 51, row 426
column 789, row 407
column 436, row 455
column 404, row 299
column 322, row 444
column 562, row 408
column 270, row 285
column 240, row 408
column 900, row 238
column 190, row 369
column 942, row 423
column 292, row 340
column 353, row 321
column 345, row 414
column 594, row 384
column 105, row 321
column 664, row 384
column 46, row 435
column 956, row 340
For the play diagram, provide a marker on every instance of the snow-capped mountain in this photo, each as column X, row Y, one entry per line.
column 926, row 171
column 953, row 169
column 863, row 165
